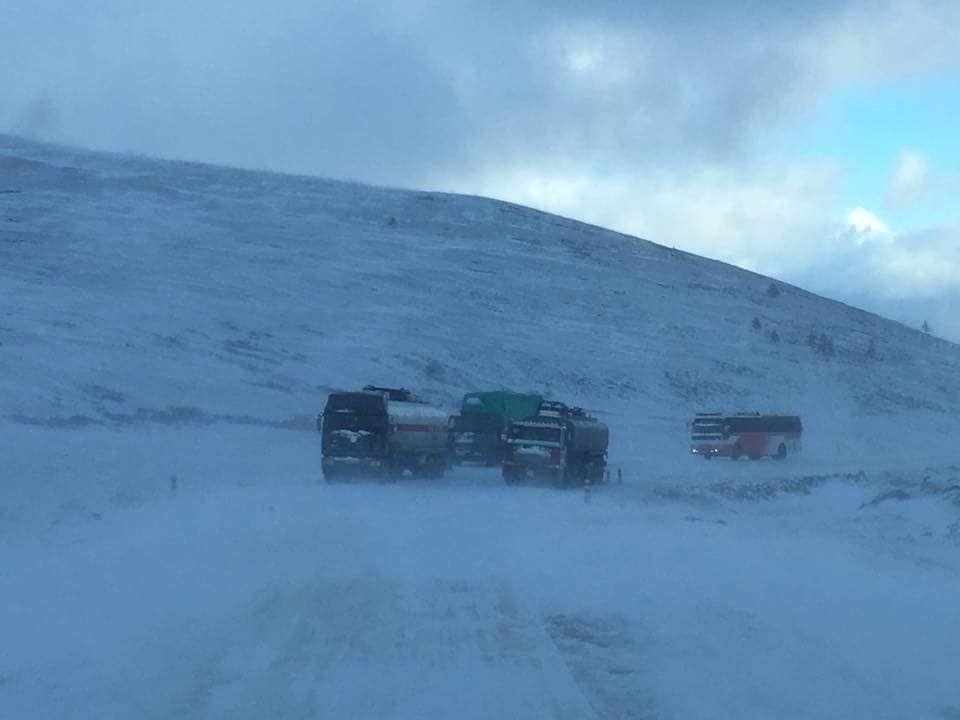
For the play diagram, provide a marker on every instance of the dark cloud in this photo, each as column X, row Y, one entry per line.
column 627, row 84
column 398, row 92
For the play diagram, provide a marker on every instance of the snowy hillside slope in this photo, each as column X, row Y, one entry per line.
column 168, row 331
column 146, row 291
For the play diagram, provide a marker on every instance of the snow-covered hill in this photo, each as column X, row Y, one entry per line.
column 165, row 319
column 137, row 290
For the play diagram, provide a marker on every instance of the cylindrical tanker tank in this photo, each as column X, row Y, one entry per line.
column 417, row 427
column 587, row 436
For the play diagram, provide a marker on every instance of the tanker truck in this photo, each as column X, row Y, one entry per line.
column 560, row 443
column 382, row 432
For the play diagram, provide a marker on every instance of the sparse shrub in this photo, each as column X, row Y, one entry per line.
column 822, row 343
column 391, row 221
column 756, row 323
column 825, row 344
column 925, row 326
column 774, row 290
column 434, row 370
column 872, row 348
column 774, row 336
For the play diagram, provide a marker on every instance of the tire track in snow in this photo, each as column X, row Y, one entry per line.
column 374, row 647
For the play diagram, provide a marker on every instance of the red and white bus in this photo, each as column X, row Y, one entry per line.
column 749, row 435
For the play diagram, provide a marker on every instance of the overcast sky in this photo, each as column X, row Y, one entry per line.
column 813, row 141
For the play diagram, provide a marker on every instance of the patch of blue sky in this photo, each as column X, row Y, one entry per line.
column 867, row 128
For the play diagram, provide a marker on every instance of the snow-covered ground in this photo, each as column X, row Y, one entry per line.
column 165, row 320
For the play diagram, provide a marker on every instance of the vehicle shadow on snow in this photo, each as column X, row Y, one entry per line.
column 457, row 476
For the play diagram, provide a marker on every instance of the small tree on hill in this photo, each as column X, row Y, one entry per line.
column 825, row 344
column 925, row 326
column 756, row 323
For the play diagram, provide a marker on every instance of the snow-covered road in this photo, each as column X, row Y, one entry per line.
column 256, row 591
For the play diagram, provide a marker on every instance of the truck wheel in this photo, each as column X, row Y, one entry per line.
column 436, row 468
column 330, row 475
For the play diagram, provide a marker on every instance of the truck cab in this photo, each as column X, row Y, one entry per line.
column 535, row 447
column 560, row 443
column 354, row 428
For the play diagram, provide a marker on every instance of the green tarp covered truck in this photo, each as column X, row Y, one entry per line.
column 478, row 432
